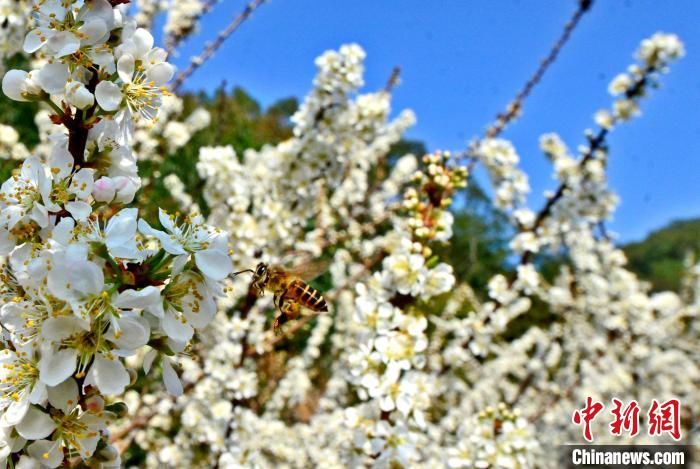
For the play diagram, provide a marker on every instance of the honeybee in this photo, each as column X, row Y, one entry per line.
column 289, row 287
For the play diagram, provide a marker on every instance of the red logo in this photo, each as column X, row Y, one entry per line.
column 586, row 416
column 626, row 419
column 663, row 418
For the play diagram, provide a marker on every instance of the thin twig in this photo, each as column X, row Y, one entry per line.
column 211, row 48
column 393, row 79
column 515, row 107
column 596, row 143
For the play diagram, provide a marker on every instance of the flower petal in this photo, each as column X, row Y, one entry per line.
column 108, row 95
column 7, row 244
column 64, row 396
column 13, row 84
column 94, row 30
column 52, row 77
column 148, row 360
column 79, row 210
column 138, row 299
column 56, row 367
column 15, row 412
column 143, row 40
column 35, row 425
column 82, row 182
column 34, row 40
column 170, row 379
column 125, row 67
column 57, row 329
column 109, row 375
column 175, row 329
column 160, row 73
column 48, row 452
column 120, row 234
column 215, row 264
column 64, row 43
column 60, row 161
column 133, row 333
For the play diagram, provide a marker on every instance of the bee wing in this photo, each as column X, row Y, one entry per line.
column 294, row 257
column 309, row 269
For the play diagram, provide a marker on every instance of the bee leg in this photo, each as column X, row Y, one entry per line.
column 282, row 316
column 288, row 311
column 291, row 309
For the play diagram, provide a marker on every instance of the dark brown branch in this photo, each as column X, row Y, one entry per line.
column 77, row 138
column 78, row 128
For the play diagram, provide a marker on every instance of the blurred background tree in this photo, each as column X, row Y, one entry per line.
column 660, row 257
column 237, row 120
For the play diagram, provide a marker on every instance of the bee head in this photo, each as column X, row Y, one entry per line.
column 261, row 270
column 260, row 278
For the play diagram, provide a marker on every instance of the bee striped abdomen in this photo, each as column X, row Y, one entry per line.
column 307, row 296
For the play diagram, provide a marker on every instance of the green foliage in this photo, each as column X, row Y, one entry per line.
column 478, row 249
column 660, row 257
column 19, row 117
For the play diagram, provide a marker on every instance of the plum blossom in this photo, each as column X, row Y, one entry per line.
column 143, row 72
column 209, row 246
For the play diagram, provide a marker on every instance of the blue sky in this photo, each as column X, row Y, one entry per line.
column 463, row 60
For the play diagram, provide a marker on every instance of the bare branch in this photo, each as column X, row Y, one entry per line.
column 393, row 79
column 514, row 108
column 211, row 48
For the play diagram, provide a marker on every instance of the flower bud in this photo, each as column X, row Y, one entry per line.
column 119, row 409
column 126, row 189
column 104, row 189
column 19, row 86
column 79, row 96
column 94, row 403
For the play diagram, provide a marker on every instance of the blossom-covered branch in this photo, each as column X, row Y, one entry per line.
column 86, row 282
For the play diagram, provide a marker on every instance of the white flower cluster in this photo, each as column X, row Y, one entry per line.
column 13, row 27
column 10, row 146
column 253, row 198
column 182, row 18
column 266, row 198
column 496, row 437
column 608, row 335
column 387, row 378
column 408, row 368
column 85, row 281
column 501, row 160
column 147, row 10
column 654, row 55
